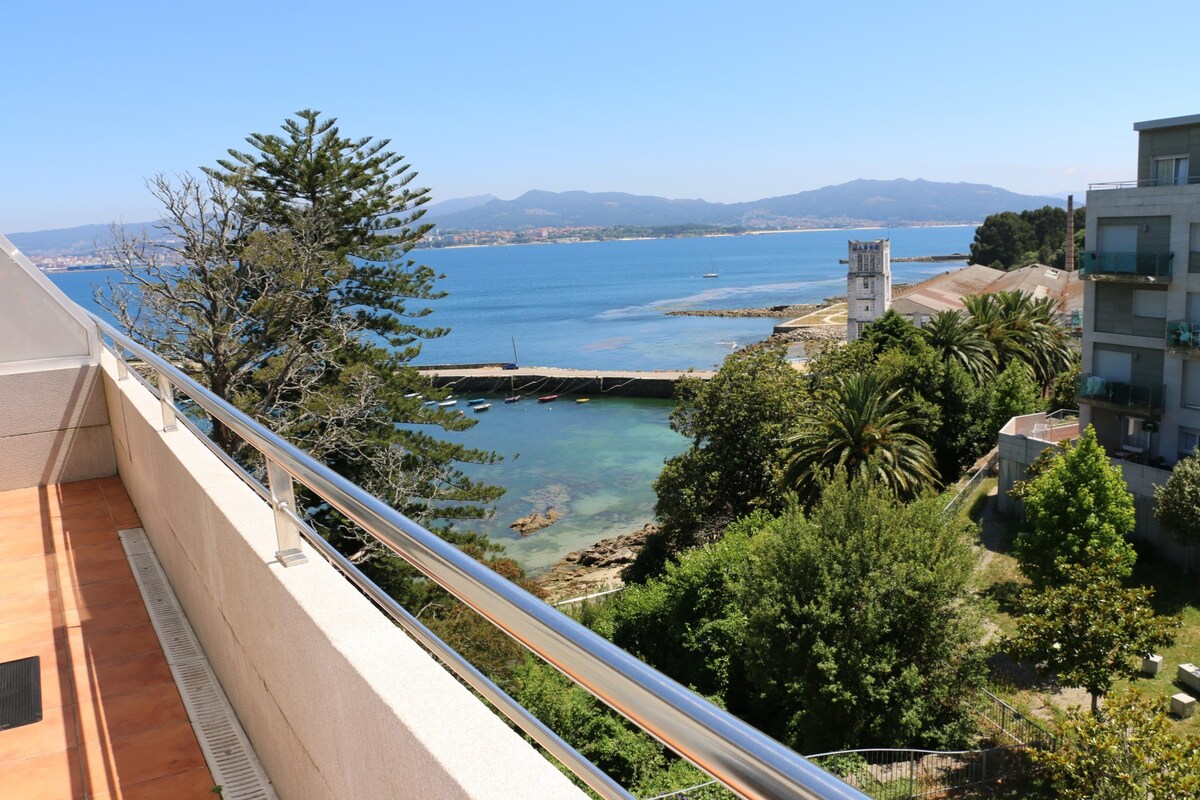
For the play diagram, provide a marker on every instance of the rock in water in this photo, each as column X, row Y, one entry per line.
column 536, row 521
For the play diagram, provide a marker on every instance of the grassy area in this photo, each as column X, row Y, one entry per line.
column 1000, row 583
column 1175, row 593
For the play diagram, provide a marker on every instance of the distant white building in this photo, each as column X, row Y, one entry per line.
column 868, row 284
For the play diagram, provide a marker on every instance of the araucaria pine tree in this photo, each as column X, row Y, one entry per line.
column 290, row 291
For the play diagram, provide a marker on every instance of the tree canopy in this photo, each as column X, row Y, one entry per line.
column 1078, row 509
column 736, row 422
column 1177, row 502
column 1009, row 239
column 849, row 626
column 1129, row 751
column 861, row 427
column 285, row 286
column 1089, row 629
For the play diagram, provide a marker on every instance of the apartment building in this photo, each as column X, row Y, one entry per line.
column 1140, row 382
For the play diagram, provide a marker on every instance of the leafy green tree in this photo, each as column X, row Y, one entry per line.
column 1012, row 394
column 860, row 628
column 953, row 336
column 1002, row 241
column 1064, row 394
column 862, row 428
column 946, row 406
column 735, row 422
column 1177, row 502
column 687, row 622
column 891, row 330
column 630, row 757
column 1078, row 509
column 1007, row 240
column 1128, row 751
column 1088, row 629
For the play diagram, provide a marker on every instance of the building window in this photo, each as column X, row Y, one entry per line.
column 1171, row 171
column 1191, row 384
column 1188, row 440
column 1147, row 303
column 1135, row 439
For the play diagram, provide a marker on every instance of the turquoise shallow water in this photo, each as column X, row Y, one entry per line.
column 601, row 306
column 593, row 461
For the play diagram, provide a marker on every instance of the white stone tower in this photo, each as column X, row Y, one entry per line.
column 868, row 284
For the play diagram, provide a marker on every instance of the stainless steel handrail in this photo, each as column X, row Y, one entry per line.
column 738, row 755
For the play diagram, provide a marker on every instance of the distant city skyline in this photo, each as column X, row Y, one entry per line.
column 706, row 100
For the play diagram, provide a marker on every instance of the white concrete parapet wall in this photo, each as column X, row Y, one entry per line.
column 53, row 421
column 337, row 700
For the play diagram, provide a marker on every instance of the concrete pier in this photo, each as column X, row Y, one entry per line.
column 558, row 380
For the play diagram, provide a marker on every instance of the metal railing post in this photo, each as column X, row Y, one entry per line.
column 283, row 497
column 166, row 398
column 122, row 364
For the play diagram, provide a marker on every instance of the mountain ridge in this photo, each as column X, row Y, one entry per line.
column 862, row 201
column 858, row 203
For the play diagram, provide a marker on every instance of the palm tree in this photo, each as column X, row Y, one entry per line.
column 956, row 338
column 1023, row 329
column 860, row 427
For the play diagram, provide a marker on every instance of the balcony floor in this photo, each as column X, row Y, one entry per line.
column 113, row 725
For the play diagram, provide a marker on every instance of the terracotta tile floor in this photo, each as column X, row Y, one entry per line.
column 112, row 725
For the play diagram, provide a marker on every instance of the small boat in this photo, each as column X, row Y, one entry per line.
column 481, row 407
column 430, row 403
column 411, row 395
column 548, row 398
column 516, row 398
column 476, row 401
column 447, row 403
column 582, row 400
column 710, row 275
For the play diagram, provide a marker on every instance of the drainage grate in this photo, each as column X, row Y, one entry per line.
column 20, row 692
column 229, row 754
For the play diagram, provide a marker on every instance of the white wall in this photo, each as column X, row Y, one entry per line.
column 338, row 701
column 53, row 420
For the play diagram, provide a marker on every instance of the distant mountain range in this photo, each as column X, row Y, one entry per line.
column 895, row 203
column 861, row 202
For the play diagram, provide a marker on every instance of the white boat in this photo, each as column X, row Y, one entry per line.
column 710, row 275
column 481, row 407
column 447, row 403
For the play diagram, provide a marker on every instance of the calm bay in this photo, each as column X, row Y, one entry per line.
column 601, row 305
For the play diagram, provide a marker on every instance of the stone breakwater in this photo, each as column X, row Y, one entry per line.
column 773, row 311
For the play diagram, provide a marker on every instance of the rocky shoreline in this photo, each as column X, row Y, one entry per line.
column 594, row 568
column 772, row 311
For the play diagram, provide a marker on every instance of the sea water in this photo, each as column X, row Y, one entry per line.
column 602, row 305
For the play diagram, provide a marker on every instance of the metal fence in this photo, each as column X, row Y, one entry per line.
column 908, row 774
column 905, row 774
column 1011, row 725
column 968, row 489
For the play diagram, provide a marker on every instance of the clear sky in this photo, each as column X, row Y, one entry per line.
column 722, row 101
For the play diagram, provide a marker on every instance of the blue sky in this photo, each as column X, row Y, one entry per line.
column 722, row 101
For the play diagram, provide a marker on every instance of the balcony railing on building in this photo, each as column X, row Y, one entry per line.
column 1145, row 183
column 1138, row 266
column 1096, row 389
column 1183, row 337
column 739, row 756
